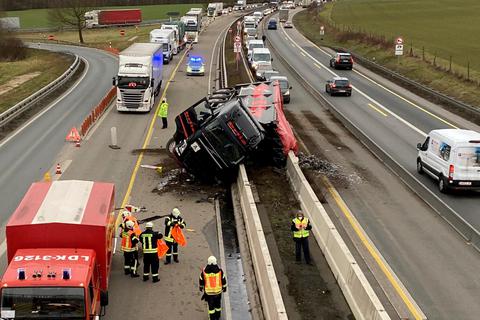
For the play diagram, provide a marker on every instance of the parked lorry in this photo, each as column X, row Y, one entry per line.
column 283, row 15
column 179, row 30
column 240, row 5
column 214, row 9
column 59, row 252
column 221, row 130
column 139, row 77
column 113, row 17
column 191, row 29
column 167, row 39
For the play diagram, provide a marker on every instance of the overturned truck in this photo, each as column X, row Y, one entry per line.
column 220, row 131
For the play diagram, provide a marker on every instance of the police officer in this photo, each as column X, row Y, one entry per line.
column 212, row 283
column 129, row 248
column 163, row 113
column 171, row 221
column 301, row 230
column 149, row 238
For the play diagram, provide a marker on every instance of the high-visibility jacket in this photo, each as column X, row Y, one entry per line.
column 297, row 224
column 129, row 241
column 163, row 111
column 212, row 280
column 149, row 239
column 170, row 222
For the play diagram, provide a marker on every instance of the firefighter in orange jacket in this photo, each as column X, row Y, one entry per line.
column 171, row 221
column 212, row 283
column 129, row 248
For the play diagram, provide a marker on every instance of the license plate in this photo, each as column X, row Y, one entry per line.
column 341, row 90
column 345, row 61
column 464, row 183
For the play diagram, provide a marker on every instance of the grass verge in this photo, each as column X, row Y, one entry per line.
column 50, row 65
column 414, row 65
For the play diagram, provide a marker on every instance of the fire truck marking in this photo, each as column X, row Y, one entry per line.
column 49, row 257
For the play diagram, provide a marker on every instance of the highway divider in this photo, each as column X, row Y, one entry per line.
column 270, row 295
column 360, row 296
column 27, row 103
column 97, row 111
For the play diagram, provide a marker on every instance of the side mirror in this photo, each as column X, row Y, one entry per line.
column 290, row 88
column 152, row 82
column 103, row 298
column 114, row 81
column 419, row 146
column 271, row 60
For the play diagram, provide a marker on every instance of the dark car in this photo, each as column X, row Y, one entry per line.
column 339, row 85
column 342, row 60
column 272, row 24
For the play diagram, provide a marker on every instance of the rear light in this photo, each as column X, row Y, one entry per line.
column 451, row 170
column 349, row 85
column 338, row 58
column 351, row 59
column 333, row 85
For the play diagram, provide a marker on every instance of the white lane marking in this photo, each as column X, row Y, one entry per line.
column 3, row 247
column 133, row 38
column 303, row 54
column 29, row 122
column 393, row 114
column 390, row 91
column 213, row 56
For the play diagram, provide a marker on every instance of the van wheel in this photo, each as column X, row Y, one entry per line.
column 419, row 166
column 442, row 185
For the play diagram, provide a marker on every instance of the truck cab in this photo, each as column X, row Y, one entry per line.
column 61, row 269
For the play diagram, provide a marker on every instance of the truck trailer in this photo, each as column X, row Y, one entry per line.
column 165, row 37
column 59, row 251
column 113, row 17
column 283, row 15
column 179, row 29
column 214, row 9
column 139, row 77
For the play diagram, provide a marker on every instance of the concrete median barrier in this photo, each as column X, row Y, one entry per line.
column 357, row 291
column 271, row 298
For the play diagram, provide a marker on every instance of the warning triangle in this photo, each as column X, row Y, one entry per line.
column 73, row 135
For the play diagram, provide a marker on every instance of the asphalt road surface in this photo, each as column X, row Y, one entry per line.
column 432, row 260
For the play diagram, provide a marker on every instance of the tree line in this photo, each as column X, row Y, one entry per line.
column 41, row 4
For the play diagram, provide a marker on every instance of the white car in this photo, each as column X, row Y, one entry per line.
column 253, row 44
column 452, row 157
column 225, row 11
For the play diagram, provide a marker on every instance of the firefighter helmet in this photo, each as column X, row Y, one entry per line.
column 149, row 225
column 130, row 224
column 175, row 212
column 212, row 260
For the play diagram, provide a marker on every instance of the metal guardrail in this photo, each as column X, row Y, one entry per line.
column 28, row 102
column 425, row 90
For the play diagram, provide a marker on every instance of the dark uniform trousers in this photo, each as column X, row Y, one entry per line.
column 150, row 261
column 172, row 251
column 299, row 244
column 214, row 306
column 130, row 261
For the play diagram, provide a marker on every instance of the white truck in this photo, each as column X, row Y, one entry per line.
column 167, row 39
column 283, row 15
column 214, row 9
column 139, row 77
column 240, row 5
column 191, row 29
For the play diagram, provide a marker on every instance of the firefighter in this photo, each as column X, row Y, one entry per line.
column 149, row 239
column 163, row 113
column 170, row 222
column 301, row 230
column 212, row 283
column 129, row 248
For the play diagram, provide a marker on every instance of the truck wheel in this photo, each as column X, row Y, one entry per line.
column 171, row 147
column 442, row 185
column 420, row 166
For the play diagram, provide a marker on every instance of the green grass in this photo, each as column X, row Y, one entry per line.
column 445, row 27
column 49, row 64
column 38, row 18
column 370, row 45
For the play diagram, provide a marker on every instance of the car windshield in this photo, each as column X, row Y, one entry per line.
column 250, row 25
column 252, row 46
column 344, row 56
column 261, row 57
column 283, row 84
column 223, row 144
column 165, row 47
column 43, row 303
column 133, row 82
column 341, row 83
column 195, row 62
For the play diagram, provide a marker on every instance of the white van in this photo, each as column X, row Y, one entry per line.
column 451, row 156
column 253, row 44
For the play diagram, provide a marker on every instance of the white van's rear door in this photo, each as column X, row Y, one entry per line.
column 467, row 163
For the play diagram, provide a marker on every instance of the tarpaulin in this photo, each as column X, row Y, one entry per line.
column 177, row 234
column 162, row 248
column 283, row 126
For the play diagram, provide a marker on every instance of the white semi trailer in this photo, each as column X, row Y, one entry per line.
column 167, row 39
column 139, row 77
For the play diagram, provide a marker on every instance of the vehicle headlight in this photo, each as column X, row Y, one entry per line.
column 287, row 93
column 259, row 74
column 202, row 69
column 189, row 69
column 254, row 65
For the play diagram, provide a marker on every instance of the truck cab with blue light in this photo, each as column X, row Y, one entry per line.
column 195, row 66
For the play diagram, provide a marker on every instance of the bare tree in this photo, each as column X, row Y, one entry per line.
column 71, row 13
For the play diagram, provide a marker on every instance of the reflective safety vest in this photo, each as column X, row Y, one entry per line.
column 301, row 233
column 147, row 243
column 163, row 111
column 127, row 245
column 213, row 282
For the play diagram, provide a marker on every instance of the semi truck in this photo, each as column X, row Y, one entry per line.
column 240, row 5
column 59, row 252
column 139, row 77
column 167, row 39
column 113, row 17
column 214, row 9
column 283, row 15
column 179, row 30
column 191, row 29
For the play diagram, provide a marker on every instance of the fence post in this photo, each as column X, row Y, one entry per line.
column 468, row 70
column 450, row 65
column 423, row 53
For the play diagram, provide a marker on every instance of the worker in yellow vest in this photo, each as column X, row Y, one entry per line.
column 163, row 113
column 301, row 230
column 212, row 283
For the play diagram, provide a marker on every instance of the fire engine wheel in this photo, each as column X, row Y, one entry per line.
column 171, row 147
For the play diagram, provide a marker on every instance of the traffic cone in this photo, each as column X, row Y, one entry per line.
column 77, row 144
column 47, row 177
column 59, row 169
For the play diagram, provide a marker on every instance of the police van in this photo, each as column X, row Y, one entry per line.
column 452, row 157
